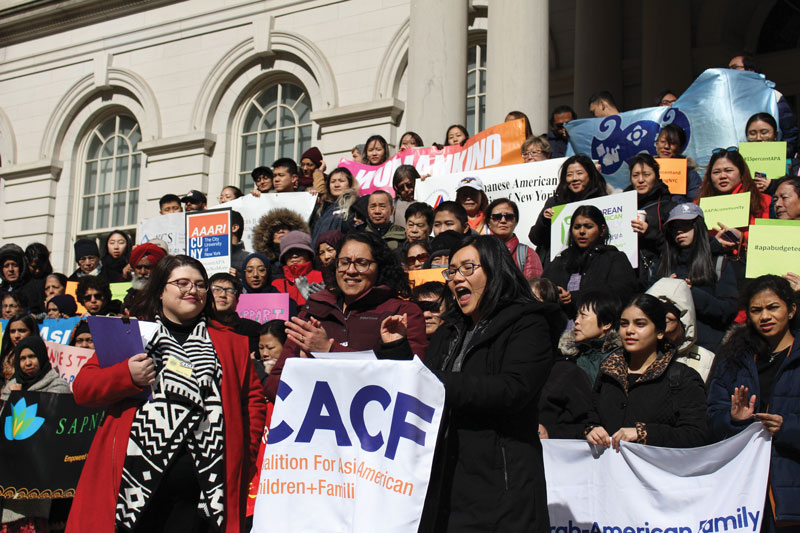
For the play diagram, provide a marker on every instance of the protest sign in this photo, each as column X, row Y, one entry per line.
column 208, row 239
column 170, row 228
column 776, row 222
column 3, row 326
column 72, row 290
column 253, row 208
column 499, row 145
column 44, row 444
column 350, row 446
column 733, row 210
column 528, row 184
column 58, row 330
column 773, row 250
column 673, row 172
column 618, row 209
column 709, row 489
column 263, row 307
column 67, row 360
column 119, row 290
column 712, row 112
column 766, row 157
column 418, row 277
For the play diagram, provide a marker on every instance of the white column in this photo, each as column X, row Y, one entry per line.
column 598, row 52
column 518, row 73
column 437, row 67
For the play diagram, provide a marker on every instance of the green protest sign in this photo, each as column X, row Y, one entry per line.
column 776, row 222
column 773, row 250
column 767, row 157
column 119, row 290
column 732, row 210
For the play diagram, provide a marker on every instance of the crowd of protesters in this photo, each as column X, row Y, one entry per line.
column 680, row 350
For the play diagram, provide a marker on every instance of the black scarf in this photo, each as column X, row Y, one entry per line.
column 39, row 349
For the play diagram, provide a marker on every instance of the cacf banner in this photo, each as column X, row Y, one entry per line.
column 495, row 146
column 170, row 228
column 350, row 447
column 711, row 489
column 618, row 210
column 528, row 185
column 44, row 442
column 208, row 239
column 713, row 112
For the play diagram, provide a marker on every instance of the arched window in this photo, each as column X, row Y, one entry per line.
column 110, row 189
column 277, row 123
column 476, row 88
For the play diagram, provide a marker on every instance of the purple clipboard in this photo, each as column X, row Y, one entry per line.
column 116, row 340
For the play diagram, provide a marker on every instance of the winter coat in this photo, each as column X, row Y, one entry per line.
column 738, row 367
column 394, row 235
column 678, row 293
column 488, row 473
column 666, row 404
column 715, row 305
column 264, row 231
column 656, row 204
column 566, row 400
column 14, row 510
column 243, row 406
column 31, row 288
column 531, row 265
column 114, row 267
column 589, row 354
column 359, row 328
column 288, row 283
column 330, row 218
column 603, row 268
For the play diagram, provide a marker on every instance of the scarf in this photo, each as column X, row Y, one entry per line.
column 292, row 272
column 185, row 412
column 35, row 344
column 477, row 222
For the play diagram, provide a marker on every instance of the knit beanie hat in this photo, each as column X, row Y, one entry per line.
column 65, row 303
column 313, row 154
column 296, row 240
column 84, row 247
column 331, row 238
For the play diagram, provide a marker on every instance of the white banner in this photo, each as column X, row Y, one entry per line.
column 350, row 447
column 646, row 489
column 170, row 228
column 528, row 184
column 252, row 209
column 618, row 209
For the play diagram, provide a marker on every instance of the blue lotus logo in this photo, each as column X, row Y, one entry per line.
column 23, row 421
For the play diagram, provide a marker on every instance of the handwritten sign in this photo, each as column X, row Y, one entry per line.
column 67, row 360
column 263, row 307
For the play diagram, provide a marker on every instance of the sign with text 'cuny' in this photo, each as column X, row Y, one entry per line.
column 350, row 446
column 208, row 239
column 618, row 209
column 709, row 489
column 528, row 185
column 499, row 145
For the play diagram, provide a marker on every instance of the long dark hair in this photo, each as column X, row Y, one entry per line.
column 382, row 142
column 390, row 271
column 595, row 188
column 38, row 254
column 505, row 284
column 29, row 322
column 707, row 188
column 763, row 117
column 147, row 303
column 700, row 263
column 574, row 256
column 458, row 127
column 655, row 310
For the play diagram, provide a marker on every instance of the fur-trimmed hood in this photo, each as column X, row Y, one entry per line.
column 569, row 347
column 270, row 223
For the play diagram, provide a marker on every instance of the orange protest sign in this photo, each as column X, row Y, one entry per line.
column 673, row 173
column 418, row 277
column 72, row 288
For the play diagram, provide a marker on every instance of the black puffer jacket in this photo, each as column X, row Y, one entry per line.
column 667, row 403
column 488, row 473
column 602, row 268
column 566, row 400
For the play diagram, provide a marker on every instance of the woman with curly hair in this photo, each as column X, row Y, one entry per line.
column 364, row 312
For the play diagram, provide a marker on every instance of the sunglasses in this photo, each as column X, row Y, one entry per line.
column 716, row 151
column 97, row 297
column 497, row 217
column 429, row 306
column 421, row 258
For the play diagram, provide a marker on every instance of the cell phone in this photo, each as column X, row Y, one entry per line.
column 760, row 175
column 730, row 236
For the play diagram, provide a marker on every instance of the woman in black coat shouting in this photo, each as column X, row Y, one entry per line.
column 493, row 354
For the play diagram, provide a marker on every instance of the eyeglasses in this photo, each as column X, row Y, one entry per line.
column 532, row 153
column 185, row 285
column 255, row 270
column 466, row 270
column 736, row 67
column 421, row 258
column 409, row 186
column 497, row 217
column 11, row 306
column 716, row 151
column 216, row 289
column 361, row 264
column 92, row 296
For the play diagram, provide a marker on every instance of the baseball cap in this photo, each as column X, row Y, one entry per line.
column 471, row 182
column 687, row 211
column 195, row 197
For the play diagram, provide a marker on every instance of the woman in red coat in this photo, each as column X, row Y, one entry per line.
column 364, row 312
column 181, row 460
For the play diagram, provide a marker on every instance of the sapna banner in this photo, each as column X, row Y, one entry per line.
column 529, row 185
column 496, row 146
column 350, row 446
column 44, row 443
column 648, row 489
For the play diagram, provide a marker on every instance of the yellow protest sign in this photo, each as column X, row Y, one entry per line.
column 732, row 210
column 773, row 250
column 767, row 157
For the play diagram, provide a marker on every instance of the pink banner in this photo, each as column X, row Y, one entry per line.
column 496, row 146
column 263, row 307
column 67, row 360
